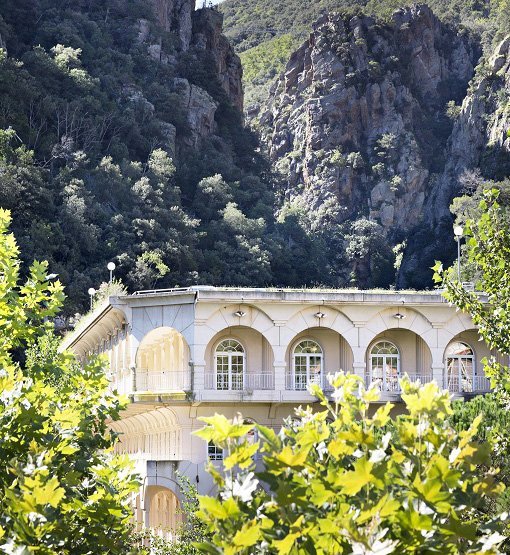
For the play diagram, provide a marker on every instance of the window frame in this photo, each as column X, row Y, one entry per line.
column 387, row 381
column 457, row 383
column 217, row 453
column 299, row 384
column 239, row 379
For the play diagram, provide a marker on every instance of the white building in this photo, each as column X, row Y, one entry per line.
column 181, row 354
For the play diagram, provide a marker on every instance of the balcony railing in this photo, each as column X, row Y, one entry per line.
column 301, row 382
column 239, row 382
column 150, row 381
column 476, row 384
column 159, row 381
column 392, row 385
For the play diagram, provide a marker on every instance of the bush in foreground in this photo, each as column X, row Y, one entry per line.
column 340, row 481
column 62, row 491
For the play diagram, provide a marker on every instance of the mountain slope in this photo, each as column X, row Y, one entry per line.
column 119, row 118
column 357, row 126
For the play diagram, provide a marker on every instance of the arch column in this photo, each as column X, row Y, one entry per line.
column 438, row 375
column 199, row 376
column 359, row 368
column 280, row 369
column 437, row 366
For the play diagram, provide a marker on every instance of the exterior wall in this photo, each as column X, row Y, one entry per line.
column 176, row 332
column 337, row 353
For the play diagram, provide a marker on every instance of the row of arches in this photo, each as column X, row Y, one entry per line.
column 239, row 358
column 384, row 366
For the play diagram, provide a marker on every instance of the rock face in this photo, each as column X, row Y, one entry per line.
column 358, row 119
column 175, row 16
column 480, row 141
column 481, row 136
column 207, row 35
column 200, row 108
column 199, row 35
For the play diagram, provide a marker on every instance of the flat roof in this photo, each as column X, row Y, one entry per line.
column 247, row 294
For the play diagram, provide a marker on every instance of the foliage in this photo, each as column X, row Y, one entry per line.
column 334, row 482
column 97, row 159
column 373, row 258
column 488, row 246
column 108, row 289
column 264, row 62
column 61, row 489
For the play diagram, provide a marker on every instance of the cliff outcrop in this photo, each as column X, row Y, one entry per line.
column 358, row 118
column 207, row 36
column 197, row 35
column 174, row 16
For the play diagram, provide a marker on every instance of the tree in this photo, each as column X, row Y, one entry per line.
column 61, row 489
column 487, row 252
column 340, row 481
column 488, row 248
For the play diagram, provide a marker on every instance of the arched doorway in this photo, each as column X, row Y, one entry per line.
column 313, row 354
column 394, row 353
column 384, row 365
column 307, row 364
column 239, row 359
column 162, row 362
column 229, row 365
column 460, row 367
column 164, row 511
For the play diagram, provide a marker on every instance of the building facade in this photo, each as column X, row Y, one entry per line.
column 182, row 354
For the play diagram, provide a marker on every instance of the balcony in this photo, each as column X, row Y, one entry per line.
column 463, row 384
column 239, row 382
column 143, row 381
column 301, row 382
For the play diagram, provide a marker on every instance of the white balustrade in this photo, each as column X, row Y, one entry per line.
column 392, row 385
column 239, row 382
column 301, row 382
column 157, row 381
column 150, row 381
column 468, row 384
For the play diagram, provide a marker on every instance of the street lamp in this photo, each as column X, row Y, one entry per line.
column 458, row 231
column 91, row 292
column 111, row 267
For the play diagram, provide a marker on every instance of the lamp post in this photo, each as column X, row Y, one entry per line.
column 458, row 231
column 91, row 293
column 111, row 267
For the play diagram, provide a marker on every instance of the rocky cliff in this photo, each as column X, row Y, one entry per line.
column 195, row 33
column 358, row 118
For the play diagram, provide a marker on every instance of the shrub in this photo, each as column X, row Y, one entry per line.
column 339, row 481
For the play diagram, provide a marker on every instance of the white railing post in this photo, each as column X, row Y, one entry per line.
column 133, row 378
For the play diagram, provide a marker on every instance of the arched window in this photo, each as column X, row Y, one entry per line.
column 385, row 365
column 229, row 365
column 460, row 367
column 306, row 364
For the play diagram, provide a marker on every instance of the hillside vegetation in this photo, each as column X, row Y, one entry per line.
column 112, row 148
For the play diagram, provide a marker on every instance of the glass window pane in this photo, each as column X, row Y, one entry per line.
column 457, row 348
